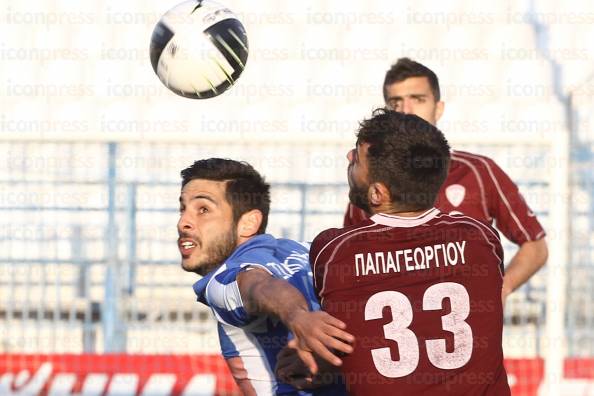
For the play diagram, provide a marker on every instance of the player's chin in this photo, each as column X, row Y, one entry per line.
column 190, row 264
column 198, row 265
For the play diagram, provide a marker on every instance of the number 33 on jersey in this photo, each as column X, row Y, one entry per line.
column 423, row 298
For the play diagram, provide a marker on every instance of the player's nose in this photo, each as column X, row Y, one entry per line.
column 350, row 154
column 407, row 107
column 184, row 223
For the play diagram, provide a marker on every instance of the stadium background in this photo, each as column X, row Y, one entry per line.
column 91, row 144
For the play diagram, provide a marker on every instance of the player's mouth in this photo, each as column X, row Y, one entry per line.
column 186, row 246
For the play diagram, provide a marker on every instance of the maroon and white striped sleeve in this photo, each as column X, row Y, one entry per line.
column 513, row 217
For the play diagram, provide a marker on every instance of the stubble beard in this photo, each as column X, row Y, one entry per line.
column 358, row 197
column 219, row 250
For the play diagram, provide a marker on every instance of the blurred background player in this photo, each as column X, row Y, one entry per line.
column 475, row 185
column 257, row 286
column 419, row 288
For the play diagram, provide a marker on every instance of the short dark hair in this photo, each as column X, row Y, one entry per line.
column 408, row 155
column 406, row 68
column 245, row 187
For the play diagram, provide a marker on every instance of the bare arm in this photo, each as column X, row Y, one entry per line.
column 531, row 256
column 314, row 331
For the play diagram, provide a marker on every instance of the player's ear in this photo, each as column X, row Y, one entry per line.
column 249, row 223
column 439, row 108
column 378, row 194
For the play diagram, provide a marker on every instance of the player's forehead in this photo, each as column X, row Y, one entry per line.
column 410, row 86
column 210, row 190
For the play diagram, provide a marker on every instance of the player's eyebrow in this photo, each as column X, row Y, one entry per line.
column 399, row 97
column 199, row 196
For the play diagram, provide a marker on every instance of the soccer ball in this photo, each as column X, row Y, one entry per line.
column 199, row 49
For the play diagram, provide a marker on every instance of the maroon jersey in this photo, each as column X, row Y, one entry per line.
column 477, row 187
column 422, row 296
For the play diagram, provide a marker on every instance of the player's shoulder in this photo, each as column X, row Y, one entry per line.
column 332, row 234
column 324, row 237
column 486, row 166
column 472, row 158
column 328, row 235
column 224, row 275
column 336, row 236
column 263, row 249
column 293, row 245
column 482, row 235
column 280, row 257
column 216, row 287
column 467, row 224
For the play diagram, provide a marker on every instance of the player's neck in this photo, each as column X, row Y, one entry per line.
column 405, row 214
column 395, row 211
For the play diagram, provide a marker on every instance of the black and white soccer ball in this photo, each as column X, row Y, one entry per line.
column 199, row 49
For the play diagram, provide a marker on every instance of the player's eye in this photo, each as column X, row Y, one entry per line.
column 203, row 210
column 394, row 104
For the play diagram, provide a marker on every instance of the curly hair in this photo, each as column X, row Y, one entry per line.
column 407, row 154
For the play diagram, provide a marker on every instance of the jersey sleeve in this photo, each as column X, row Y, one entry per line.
column 493, row 240
column 512, row 215
column 318, row 259
column 224, row 297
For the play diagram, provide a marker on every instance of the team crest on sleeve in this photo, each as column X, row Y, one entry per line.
column 455, row 194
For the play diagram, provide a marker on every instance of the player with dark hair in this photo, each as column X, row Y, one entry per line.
column 404, row 69
column 475, row 185
column 258, row 287
column 419, row 288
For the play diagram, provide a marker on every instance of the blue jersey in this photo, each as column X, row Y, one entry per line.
column 250, row 343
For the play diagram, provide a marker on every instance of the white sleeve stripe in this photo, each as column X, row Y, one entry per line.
column 208, row 294
column 224, row 296
column 504, row 199
column 227, row 296
column 475, row 221
column 254, row 360
column 479, row 181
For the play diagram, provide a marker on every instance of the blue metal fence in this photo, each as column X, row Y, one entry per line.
column 94, row 251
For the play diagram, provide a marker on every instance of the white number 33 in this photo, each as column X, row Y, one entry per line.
column 408, row 346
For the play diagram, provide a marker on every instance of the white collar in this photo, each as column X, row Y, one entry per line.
column 406, row 222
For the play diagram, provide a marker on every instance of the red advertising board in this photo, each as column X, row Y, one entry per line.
column 192, row 375
column 122, row 375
